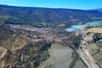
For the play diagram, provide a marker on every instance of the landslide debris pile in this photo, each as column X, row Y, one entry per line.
column 21, row 48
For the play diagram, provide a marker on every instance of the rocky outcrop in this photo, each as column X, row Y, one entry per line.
column 21, row 49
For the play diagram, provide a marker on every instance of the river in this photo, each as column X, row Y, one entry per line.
column 61, row 57
column 78, row 27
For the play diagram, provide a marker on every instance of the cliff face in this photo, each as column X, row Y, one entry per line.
column 91, row 45
column 21, row 49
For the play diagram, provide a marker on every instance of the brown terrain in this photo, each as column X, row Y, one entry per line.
column 31, row 47
column 23, row 46
column 21, row 49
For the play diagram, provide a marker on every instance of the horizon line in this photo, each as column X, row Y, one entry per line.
column 45, row 7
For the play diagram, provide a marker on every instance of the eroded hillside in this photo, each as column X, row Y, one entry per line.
column 27, row 46
column 21, row 49
column 23, row 46
column 90, row 46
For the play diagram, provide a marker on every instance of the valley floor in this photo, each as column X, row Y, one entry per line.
column 62, row 57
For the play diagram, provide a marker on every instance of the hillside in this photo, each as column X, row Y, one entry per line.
column 90, row 46
column 46, row 16
column 21, row 48
column 94, row 40
column 37, row 48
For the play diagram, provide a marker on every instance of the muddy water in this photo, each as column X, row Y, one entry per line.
column 61, row 57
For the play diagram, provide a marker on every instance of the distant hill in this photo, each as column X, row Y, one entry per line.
column 46, row 16
column 99, row 10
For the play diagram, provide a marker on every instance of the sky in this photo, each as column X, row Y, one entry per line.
column 73, row 4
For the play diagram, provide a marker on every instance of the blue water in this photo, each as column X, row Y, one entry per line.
column 73, row 28
column 78, row 27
